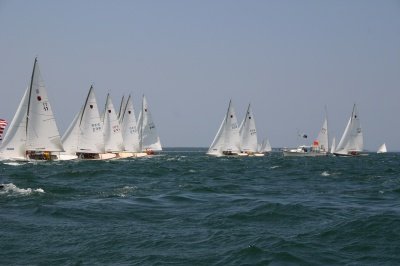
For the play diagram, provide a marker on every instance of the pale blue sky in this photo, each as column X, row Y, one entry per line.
column 288, row 58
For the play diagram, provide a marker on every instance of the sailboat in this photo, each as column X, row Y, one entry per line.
column 84, row 137
column 320, row 146
column 227, row 140
column 248, row 135
column 130, row 132
column 265, row 146
column 382, row 149
column 149, row 141
column 113, row 142
column 352, row 141
column 33, row 132
column 333, row 146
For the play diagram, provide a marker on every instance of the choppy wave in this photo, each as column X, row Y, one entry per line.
column 186, row 208
column 12, row 190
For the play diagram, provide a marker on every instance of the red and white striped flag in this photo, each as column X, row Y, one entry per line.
column 3, row 124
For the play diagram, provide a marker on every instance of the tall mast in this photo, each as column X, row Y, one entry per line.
column 84, row 106
column 30, row 92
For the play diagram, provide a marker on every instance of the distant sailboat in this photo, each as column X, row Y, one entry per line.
column 84, row 137
column 33, row 132
column 320, row 146
column 382, row 149
column 333, row 145
column 130, row 132
column 248, row 134
column 265, row 146
column 149, row 140
column 227, row 140
column 352, row 141
column 113, row 142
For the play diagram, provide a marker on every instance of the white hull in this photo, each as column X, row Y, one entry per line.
column 303, row 154
column 131, row 154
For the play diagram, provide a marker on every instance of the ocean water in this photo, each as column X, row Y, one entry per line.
column 186, row 208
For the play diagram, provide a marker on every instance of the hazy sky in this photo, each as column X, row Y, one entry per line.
column 288, row 58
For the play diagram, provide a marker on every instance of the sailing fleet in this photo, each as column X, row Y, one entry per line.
column 106, row 134
column 33, row 133
column 232, row 140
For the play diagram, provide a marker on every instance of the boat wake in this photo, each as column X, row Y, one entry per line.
column 11, row 189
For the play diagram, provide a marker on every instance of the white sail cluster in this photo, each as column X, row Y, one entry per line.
column 234, row 140
column 33, row 133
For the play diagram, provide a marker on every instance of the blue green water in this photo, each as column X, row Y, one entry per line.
column 186, row 208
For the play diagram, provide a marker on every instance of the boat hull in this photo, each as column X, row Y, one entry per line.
column 303, row 154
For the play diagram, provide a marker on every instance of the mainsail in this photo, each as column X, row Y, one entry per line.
column 248, row 133
column 128, row 122
column 227, row 138
column 42, row 132
column 352, row 139
column 112, row 132
column 322, row 138
column 333, row 145
column 148, row 136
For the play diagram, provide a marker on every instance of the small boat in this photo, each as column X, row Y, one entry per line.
column 149, row 141
column 382, row 149
column 33, row 132
column 84, row 137
column 265, row 147
column 352, row 141
column 227, row 140
column 319, row 147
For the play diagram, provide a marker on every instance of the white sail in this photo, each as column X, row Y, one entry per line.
column 382, row 149
column 91, row 134
column 322, row 138
column 232, row 136
column 227, row 138
column 148, row 136
column 352, row 139
column 217, row 144
column 71, row 136
column 266, row 146
column 112, row 132
column 130, row 132
column 248, row 133
column 333, row 145
column 13, row 145
column 42, row 132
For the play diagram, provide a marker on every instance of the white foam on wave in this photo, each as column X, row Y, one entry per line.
column 125, row 191
column 325, row 173
column 11, row 189
column 14, row 163
column 275, row 166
